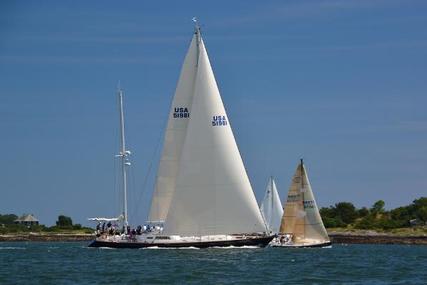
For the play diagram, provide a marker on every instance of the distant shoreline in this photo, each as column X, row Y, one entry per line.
column 336, row 238
column 351, row 238
column 54, row 237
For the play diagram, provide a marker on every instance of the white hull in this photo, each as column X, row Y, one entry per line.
column 309, row 243
column 149, row 240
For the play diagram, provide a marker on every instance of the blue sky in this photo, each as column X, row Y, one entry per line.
column 341, row 83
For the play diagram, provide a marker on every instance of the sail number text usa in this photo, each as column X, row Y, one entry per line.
column 181, row 112
column 219, row 121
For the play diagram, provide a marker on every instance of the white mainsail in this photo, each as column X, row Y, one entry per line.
column 301, row 217
column 174, row 137
column 213, row 194
column 271, row 207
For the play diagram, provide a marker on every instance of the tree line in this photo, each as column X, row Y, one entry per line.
column 342, row 214
column 345, row 214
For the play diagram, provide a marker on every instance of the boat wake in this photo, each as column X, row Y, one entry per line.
column 11, row 248
column 213, row 247
column 237, row 247
column 156, row 247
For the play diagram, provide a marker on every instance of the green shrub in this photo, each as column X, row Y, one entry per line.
column 77, row 227
column 362, row 212
column 8, row 219
column 64, row 222
column 368, row 222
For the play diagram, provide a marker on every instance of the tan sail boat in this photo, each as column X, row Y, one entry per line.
column 301, row 224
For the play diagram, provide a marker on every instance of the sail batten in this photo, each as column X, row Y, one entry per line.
column 212, row 194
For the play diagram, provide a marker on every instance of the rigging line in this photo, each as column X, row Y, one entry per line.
column 131, row 176
column 132, row 192
column 162, row 134
column 150, row 166
column 163, row 130
column 116, row 188
column 144, row 185
column 134, row 210
column 132, row 187
column 303, row 197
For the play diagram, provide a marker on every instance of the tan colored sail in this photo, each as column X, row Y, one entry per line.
column 301, row 217
column 293, row 216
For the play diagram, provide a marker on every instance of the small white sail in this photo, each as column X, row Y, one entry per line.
column 213, row 195
column 271, row 207
column 176, row 129
column 301, row 217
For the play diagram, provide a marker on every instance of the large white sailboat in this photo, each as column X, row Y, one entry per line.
column 271, row 207
column 301, row 224
column 203, row 196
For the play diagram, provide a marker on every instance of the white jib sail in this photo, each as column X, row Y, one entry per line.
column 271, row 207
column 176, row 129
column 213, row 194
column 301, row 216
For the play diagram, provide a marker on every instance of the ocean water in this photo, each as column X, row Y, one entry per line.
column 74, row 263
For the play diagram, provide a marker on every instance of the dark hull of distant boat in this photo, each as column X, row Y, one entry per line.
column 303, row 245
column 253, row 241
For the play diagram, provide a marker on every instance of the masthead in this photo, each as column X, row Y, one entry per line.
column 196, row 25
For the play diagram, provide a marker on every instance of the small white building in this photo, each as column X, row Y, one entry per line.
column 27, row 219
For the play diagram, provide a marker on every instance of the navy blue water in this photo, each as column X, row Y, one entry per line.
column 74, row 263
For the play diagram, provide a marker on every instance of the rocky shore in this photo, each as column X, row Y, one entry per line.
column 372, row 237
column 46, row 237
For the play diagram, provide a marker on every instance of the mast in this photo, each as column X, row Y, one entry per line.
column 198, row 38
column 301, row 190
column 272, row 204
column 123, row 154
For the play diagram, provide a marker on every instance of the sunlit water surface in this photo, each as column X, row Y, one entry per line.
column 74, row 263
